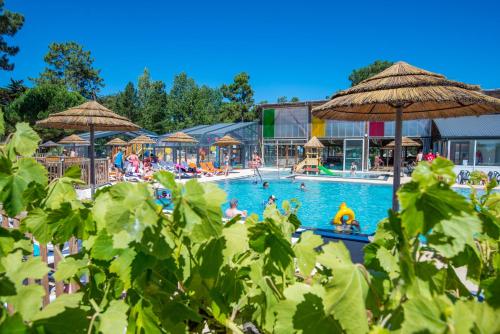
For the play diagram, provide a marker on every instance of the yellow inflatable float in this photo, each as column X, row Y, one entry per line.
column 344, row 211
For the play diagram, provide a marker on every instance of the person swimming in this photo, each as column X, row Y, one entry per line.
column 303, row 186
column 271, row 200
column 233, row 210
column 265, row 185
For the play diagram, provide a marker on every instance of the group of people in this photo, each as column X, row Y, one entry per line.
column 430, row 156
column 132, row 163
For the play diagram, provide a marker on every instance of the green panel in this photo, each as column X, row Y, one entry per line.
column 268, row 123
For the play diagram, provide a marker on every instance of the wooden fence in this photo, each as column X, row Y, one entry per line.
column 50, row 258
column 56, row 166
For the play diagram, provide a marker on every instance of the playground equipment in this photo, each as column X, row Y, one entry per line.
column 312, row 162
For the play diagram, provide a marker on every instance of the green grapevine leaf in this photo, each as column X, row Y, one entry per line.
column 305, row 251
column 346, row 293
column 114, row 319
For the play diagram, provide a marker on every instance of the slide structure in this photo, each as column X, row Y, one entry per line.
column 326, row 171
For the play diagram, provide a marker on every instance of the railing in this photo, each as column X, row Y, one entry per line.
column 51, row 255
column 56, row 166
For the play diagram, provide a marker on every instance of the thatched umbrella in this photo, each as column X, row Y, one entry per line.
column 141, row 140
column 75, row 140
column 89, row 116
column 404, row 92
column 180, row 138
column 405, row 142
column 116, row 142
column 49, row 144
column 227, row 140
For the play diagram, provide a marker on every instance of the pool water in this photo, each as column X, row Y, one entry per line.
column 319, row 202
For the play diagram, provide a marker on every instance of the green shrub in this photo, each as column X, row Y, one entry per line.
column 478, row 177
column 149, row 272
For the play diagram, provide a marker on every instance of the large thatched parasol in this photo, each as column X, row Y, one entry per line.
column 227, row 140
column 180, row 138
column 89, row 116
column 404, row 92
column 405, row 142
column 116, row 142
column 75, row 140
column 49, row 143
column 142, row 140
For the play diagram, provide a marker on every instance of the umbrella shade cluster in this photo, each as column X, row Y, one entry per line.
column 405, row 92
column 89, row 116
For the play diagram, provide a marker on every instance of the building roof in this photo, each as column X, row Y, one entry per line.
column 133, row 134
column 209, row 133
column 469, row 127
column 313, row 103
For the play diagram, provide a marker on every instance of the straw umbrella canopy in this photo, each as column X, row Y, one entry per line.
column 116, row 142
column 405, row 142
column 142, row 140
column 75, row 140
column 49, row 143
column 227, row 140
column 180, row 138
column 404, row 92
column 89, row 116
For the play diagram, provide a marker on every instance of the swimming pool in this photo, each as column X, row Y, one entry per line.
column 319, row 202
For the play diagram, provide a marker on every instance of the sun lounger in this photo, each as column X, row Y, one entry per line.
column 216, row 171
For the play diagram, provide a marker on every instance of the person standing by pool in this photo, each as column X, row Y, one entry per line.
column 118, row 162
column 233, row 210
column 420, row 156
column 226, row 164
column 354, row 168
column 134, row 161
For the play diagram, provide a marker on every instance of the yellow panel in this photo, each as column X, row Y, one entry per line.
column 318, row 127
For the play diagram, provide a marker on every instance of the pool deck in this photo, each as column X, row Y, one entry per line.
column 285, row 173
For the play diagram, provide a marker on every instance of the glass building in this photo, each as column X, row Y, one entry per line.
column 287, row 127
column 472, row 143
column 246, row 132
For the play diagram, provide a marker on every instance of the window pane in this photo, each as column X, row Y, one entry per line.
column 488, row 153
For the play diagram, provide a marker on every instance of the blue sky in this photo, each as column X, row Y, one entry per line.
column 292, row 48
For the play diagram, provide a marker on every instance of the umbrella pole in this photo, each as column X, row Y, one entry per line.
column 92, row 164
column 397, row 158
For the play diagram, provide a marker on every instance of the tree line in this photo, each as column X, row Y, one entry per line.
column 70, row 77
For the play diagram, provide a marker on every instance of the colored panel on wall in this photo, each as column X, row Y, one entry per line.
column 268, row 123
column 318, row 127
column 376, row 129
